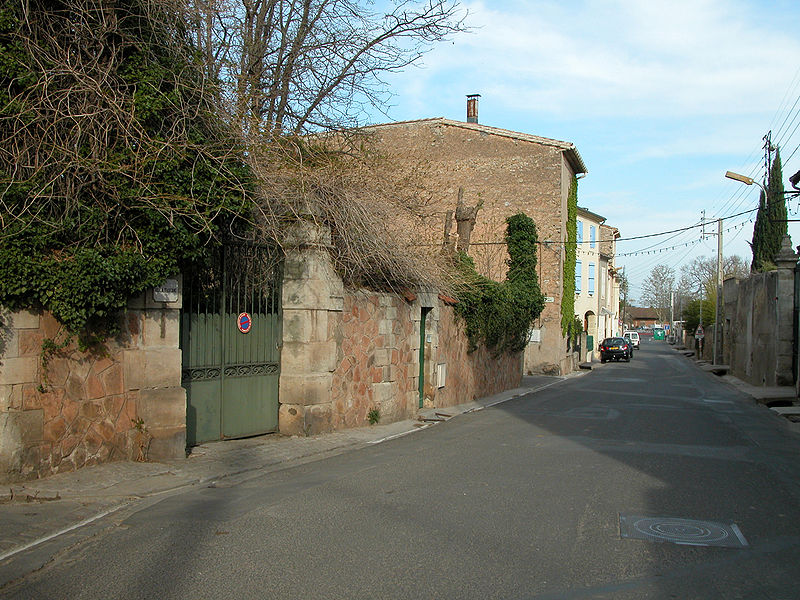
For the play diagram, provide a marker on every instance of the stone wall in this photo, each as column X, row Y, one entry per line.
column 377, row 343
column 471, row 375
column 758, row 332
column 78, row 410
column 347, row 352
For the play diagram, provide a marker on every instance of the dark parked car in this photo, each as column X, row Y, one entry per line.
column 615, row 348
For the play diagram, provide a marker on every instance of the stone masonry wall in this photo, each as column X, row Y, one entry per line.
column 79, row 410
column 758, row 332
column 378, row 359
column 471, row 375
column 377, row 353
column 346, row 352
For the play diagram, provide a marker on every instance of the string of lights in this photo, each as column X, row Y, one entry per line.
column 680, row 245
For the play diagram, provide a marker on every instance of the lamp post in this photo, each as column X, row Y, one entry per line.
column 743, row 179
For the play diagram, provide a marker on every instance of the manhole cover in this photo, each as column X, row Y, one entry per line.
column 681, row 531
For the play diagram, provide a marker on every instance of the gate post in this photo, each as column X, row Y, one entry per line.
column 786, row 260
column 312, row 291
column 152, row 370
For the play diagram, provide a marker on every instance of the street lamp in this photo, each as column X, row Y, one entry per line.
column 744, row 179
column 794, row 180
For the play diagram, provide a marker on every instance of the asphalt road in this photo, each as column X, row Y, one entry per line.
column 522, row 500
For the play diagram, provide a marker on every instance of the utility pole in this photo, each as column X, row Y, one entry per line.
column 716, row 350
column 672, row 314
column 718, row 324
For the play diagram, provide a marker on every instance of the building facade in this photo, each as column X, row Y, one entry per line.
column 596, row 279
column 610, row 320
column 506, row 172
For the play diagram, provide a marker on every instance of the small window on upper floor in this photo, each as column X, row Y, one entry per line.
column 578, row 273
column 592, row 236
column 579, row 237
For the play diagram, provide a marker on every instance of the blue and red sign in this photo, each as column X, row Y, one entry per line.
column 244, row 322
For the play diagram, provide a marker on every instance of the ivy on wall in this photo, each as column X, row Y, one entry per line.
column 116, row 170
column 570, row 248
column 499, row 314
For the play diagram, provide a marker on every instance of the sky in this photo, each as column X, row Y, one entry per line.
column 660, row 99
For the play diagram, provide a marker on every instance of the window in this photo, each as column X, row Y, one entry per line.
column 578, row 269
column 591, row 278
column 579, row 238
column 592, row 236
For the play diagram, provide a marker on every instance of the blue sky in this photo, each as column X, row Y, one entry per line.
column 660, row 98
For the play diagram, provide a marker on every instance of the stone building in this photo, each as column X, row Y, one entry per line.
column 507, row 172
column 641, row 316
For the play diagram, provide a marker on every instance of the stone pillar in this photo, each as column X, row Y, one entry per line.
column 151, row 364
column 312, row 303
column 21, row 426
column 784, row 330
column 730, row 309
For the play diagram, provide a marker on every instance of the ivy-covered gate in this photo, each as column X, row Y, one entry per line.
column 231, row 334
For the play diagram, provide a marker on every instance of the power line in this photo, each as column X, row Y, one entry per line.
column 641, row 237
column 676, row 246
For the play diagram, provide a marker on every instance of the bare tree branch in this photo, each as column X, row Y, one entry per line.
column 293, row 66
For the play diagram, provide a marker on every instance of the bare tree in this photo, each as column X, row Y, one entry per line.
column 656, row 290
column 290, row 68
column 294, row 66
column 702, row 271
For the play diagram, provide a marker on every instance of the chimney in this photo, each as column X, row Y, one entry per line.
column 472, row 108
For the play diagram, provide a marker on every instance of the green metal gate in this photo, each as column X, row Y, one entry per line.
column 231, row 334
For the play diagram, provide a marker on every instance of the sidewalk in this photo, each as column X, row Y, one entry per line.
column 66, row 508
column 773, row 398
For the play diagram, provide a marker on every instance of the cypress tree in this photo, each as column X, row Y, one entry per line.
column 776, row 208
column 771, row 224
column 760, row 234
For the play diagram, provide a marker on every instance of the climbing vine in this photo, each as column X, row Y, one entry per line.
column 570, row 248
column 115, row 168
column 499, row 314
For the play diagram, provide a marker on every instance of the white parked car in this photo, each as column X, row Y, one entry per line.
column 633, row 338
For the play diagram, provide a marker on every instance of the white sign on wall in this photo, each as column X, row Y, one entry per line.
column 166, row 292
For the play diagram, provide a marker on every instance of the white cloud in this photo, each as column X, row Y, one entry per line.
column 660, row 98
column 624, row 57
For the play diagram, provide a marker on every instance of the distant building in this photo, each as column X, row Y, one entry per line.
column 596, row 282
column 640, row 317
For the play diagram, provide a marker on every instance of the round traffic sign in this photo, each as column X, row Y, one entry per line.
column 244, row 322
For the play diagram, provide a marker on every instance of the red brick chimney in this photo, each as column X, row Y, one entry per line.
column 472, row 108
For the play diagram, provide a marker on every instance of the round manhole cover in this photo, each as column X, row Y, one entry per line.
column 681, row 531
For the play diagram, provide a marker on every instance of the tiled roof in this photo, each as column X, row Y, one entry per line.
column 637, row 312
